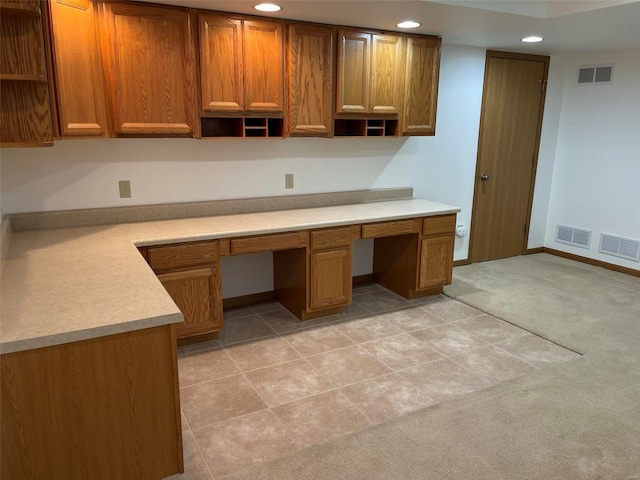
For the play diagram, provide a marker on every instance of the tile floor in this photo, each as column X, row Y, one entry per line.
column 272, row 385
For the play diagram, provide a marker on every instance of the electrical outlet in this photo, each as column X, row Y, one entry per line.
column 288, row 180
column 125, row 188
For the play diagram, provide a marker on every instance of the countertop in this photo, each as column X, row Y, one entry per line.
column 68, row 284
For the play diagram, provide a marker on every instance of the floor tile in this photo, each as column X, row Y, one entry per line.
column 320, row 418
column 491, row 329
column 245, row 328
column 366, row 329
column 352, row 310
column 313, row 341
column 261, row 353
column 380, row 301
column 538, row 351
column 183, row 421
column 494, row 364
column 449, row 339
column 243, row 442
column 284, row 321
column 185, row 350
column 410, row 319
column 266, row 307
column 238, row 312
column 287, row 382
column 386, row 397
column 204, row 365
column 348, row 365
column 365, row 288
column 401, row 351
column 195, row 466
column 450, row 310
column 444, row 379
column 218, row 400
column 427, row 299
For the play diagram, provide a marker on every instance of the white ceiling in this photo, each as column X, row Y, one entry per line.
column 566, row 25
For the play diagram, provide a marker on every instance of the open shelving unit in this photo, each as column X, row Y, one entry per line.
column 241, row 127
column 365, row 127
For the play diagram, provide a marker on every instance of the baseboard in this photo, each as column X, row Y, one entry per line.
column 532, row 251
column 460, row 263
column 360, row 279
column 591, row 261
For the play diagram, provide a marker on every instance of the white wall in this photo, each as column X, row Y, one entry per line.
column 85, row 173
column 596, row 174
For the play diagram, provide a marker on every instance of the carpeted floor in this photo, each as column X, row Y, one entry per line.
column 575, row 420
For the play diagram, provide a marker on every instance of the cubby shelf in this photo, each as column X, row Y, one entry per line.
column 242, row 127
column 360, row 127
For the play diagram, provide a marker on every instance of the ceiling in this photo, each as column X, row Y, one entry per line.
column 566, row 25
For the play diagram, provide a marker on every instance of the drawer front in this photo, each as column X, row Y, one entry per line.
column 439, row 224
column 269, row 243
column 334, row 237
column 389, row 229
column 181, row 256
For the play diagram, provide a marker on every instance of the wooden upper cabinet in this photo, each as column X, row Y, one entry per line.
column 221, row 74
column 421, row 86
column 370, row 72
column 149, row 66
column 79, row 88
column 241, row 64
column 310, row 60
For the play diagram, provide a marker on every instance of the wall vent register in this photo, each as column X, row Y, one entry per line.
column 577, row 237
column 620, row 247
column 595, row 74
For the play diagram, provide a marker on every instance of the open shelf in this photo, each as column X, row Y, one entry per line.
column 29, row 9
column 23, row 77
column 240, row 127
column 358, row 127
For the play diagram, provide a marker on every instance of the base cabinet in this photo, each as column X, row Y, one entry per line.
column 330, row 279
column 436, row 261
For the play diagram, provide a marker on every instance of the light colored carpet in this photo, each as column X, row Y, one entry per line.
column 575, row 420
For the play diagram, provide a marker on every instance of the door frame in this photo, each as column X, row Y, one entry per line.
column 534, row 165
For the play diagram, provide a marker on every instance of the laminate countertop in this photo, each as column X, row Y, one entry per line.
column 68, row 284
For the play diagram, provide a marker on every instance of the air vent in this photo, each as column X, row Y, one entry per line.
column 620, row 247
column 595, row 74
column 578, row 237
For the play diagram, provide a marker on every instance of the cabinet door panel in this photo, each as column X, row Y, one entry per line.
column 330, row 279
column 387, row 58
column 421, row 86
column 197, row 295
column 353, row 72
column 436, row 261
column 221, row 63
column 264, row 66
column 81, row 96
column 311, row 79
column 150, row 70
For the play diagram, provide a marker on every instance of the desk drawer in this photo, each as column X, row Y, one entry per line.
column 439, row 224
column 331, row 238
column 269, row 243
column 389, row 229
column 185, row 255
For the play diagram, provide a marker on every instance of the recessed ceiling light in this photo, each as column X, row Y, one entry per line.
column 532, row 39
column 408, row 24
column 268, row 7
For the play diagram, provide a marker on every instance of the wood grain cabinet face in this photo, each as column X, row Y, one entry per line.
column 149, row 65
column 387, row 60
column 436, row 261
column 354, row 55
column 80, row 93
column 330, row 278
column 421, row 86
column 310, row 59
column 197, row 295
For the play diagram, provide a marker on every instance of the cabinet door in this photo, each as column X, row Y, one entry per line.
column 436, row 261
column 330, row 279
column 263, row 66
column 221, row 63
column 197, row 295
column 354, row 51
column 81, row 97
column 310, row 80
column 387, row 61
column 421, row 86
column 150, row 69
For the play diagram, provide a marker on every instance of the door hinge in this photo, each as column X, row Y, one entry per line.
column 526, row 228
column 544, row 84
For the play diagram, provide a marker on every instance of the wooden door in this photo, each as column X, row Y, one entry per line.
column 150, row 69
column 421, row 86
column 330, row 278
column 387, row 65
column 264, row 66
column 436, row 261
column 512, row 107
column 354, row 52
column 196, row 293
column 81, row 96
column 310, row 60
column 221, row 71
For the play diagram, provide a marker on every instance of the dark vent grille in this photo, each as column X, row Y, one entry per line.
column 595, row 74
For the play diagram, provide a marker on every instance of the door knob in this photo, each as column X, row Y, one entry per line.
column 484, row 177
